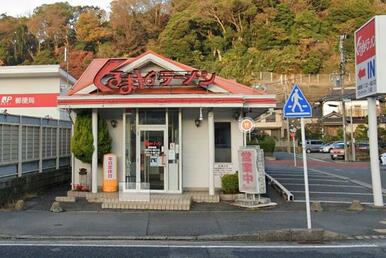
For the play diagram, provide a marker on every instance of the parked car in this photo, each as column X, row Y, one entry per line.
column 337, row 151
column 382, row 158
column 313, row 145
column 362, row 146
column 326, row 148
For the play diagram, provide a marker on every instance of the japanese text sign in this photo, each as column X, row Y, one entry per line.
column 28, row 100
column 247, row 171
column 370, row 54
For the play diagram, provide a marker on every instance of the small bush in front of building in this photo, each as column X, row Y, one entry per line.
column 230, row 183
column 267, row 144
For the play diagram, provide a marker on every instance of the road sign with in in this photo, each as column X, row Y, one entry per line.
column 297, row 105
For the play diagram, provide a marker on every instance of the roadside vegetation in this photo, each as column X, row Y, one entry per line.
column 235, row 38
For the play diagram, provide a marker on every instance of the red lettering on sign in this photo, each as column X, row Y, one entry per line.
column 110, row 167
column 246, row 165
column 126, row 83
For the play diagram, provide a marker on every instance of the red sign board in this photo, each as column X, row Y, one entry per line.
column 126, row 82
column 28, row 100
column 365, row 42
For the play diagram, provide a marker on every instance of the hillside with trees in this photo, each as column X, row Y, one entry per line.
column 235, row 38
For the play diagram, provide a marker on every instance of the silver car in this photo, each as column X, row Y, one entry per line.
column 313, row 145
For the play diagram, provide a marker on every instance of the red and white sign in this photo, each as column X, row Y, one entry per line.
column 110, row 181
column 370, row 57
column 127, row 82
column 28, row 100
column 248, row 171
column 246, row 124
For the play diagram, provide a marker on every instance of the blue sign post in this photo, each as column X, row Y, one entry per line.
column 297, row 106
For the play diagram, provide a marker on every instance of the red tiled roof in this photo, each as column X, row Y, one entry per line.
column 96, row 65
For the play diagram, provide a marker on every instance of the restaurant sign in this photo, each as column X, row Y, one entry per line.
column 251, row 171
column 127, row 82
column 370, row 56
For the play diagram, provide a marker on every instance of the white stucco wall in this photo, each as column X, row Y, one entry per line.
column 33, row 85
column 195, row 172
column 195, row 151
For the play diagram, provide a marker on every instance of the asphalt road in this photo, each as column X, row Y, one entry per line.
column 189, row 249
column 329, row 181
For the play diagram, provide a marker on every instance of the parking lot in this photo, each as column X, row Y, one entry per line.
column 329, row 181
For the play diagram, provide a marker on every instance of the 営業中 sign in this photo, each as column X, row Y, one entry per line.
column 251, row 171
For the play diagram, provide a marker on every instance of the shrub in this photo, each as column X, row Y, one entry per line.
column 267, row 144
column 230, row 183
column 104, row 140
column 82, row 140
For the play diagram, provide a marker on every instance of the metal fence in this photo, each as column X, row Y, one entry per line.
column 31, row 144
column 331, row 80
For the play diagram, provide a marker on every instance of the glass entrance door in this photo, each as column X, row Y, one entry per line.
column 153, row 159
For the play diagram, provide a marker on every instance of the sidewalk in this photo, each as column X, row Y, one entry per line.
column 87, row 220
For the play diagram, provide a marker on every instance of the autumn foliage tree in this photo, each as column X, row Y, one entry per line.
column 234, row 38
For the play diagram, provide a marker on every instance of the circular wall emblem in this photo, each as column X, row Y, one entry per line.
column 246, row 124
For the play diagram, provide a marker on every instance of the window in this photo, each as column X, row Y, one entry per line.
column 152, row 117
column 271, row 118
column 222, row 142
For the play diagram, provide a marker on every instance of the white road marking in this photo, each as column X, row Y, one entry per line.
column 349, row 186
column 337, row 193
column 299, row 175
column 312, row 158
column 383, row 222
column 194, row 246
column 300, row 179
column 348, row 179
column 329, row 201
column 380, row 230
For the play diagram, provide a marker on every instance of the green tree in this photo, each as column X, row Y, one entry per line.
column 92, row 29
column 82, row 140
column 104, row 139
column 360, row 133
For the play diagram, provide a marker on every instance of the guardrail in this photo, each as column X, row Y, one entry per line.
column 287, row 195
column 32, row 144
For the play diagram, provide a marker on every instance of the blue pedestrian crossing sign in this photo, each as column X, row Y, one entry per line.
column 297, row 105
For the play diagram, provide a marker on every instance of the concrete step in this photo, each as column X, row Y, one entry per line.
column 203, row 197
column 65, row 199
column 154, row 204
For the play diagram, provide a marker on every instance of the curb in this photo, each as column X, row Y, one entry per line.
column 301, row 235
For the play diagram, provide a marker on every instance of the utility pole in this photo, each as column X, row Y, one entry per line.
column 287, row 120
column 341, row 82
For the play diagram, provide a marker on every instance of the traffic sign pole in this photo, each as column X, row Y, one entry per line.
column 293, row 143
column 297, row 106
column 374, row 162
column 305, row 170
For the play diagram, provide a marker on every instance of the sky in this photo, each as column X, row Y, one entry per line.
column 25, row 7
